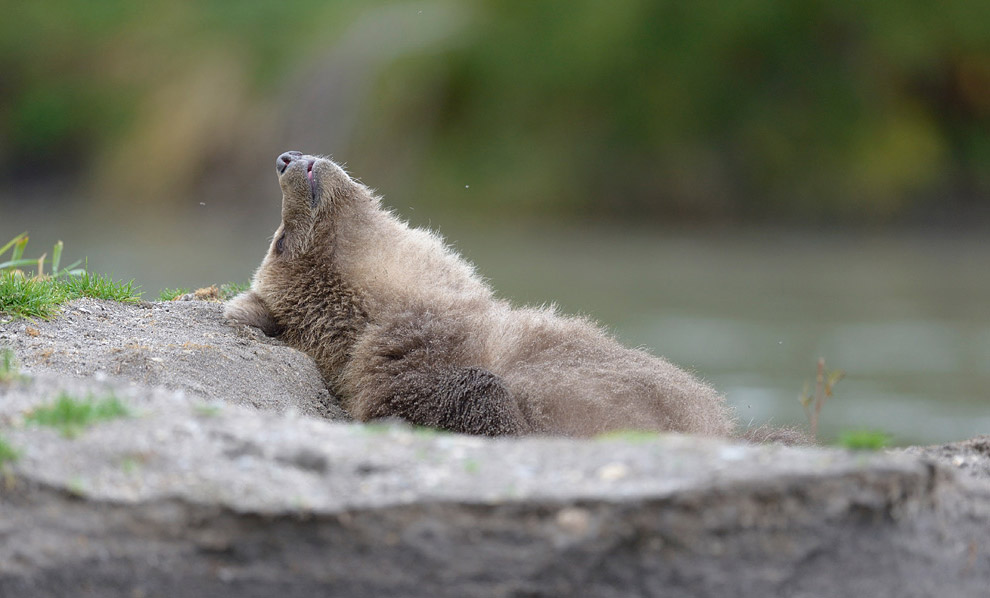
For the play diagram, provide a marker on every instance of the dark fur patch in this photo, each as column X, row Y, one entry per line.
column 787, row 436
column 466, row 400
column 414, row 368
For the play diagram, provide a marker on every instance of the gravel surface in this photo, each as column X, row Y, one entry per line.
column 180, row 345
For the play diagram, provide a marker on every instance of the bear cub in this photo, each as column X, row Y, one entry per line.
column 402, row 326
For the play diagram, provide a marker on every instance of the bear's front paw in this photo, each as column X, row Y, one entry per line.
column 247, row 309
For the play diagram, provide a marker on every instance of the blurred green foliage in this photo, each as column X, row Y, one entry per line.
column 74, row 73
column 71, row 415
column 711, row 110
column 755, row 107
column 864, row 440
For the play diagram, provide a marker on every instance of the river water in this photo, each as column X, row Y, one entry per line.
column 906, row 316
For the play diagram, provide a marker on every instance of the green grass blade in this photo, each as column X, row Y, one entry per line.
column 56, row 258
column 18, row 251
column 24, row 297
column 17, row 264
column 70, row 270
column 100, row 287
column 37, row 296
column 12, row 242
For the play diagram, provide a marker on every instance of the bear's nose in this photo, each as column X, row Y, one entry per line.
column 283, row 161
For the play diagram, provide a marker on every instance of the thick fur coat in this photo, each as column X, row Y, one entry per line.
column 401, row 326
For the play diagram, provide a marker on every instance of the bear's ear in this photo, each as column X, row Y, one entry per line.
column 248, row 309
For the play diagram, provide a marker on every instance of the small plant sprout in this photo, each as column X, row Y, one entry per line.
column 825, row 381
column 70, row 416
column 8, row 366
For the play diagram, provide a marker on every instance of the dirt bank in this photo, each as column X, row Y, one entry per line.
column 229, row 478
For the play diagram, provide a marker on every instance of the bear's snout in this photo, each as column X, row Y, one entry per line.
column 283, row 161
column 288, row 159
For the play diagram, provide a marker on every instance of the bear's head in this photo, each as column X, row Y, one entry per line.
column 318, row 198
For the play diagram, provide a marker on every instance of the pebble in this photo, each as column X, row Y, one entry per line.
column 574, row 520
column 613, row 472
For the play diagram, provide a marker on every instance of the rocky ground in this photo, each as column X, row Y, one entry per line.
column 185, row 346
column 230, row 477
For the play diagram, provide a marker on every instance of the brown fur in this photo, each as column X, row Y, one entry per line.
column 401, row 326
column 767, row 434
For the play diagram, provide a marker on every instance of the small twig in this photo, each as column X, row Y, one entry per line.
column 819, row 396
column 41, row 266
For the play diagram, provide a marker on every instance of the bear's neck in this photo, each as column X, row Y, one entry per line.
column 323, row 317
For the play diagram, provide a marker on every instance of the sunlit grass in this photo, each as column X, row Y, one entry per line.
column 36, row 294
column 98, row 286
column 24, row 297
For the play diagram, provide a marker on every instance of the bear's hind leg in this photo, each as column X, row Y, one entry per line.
column 468, row 400
column 411, row 370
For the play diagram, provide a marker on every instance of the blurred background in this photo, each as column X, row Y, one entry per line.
column 742, row 186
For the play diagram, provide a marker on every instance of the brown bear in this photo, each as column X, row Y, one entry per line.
column 402, row 326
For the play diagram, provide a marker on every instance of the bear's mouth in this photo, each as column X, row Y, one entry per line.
column 295, row 159
column 312, row 179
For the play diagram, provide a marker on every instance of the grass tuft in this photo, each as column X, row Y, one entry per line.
column 630, row 436
column 206, row 410
column 98, row 286
column 864, row 440
column 23, row 297
column 172, row 294
column 70, row 415
column 8, row 454
column 39, row 295
column 427, row 432
column 9, row 371
column 232, row 289
column 222, row 292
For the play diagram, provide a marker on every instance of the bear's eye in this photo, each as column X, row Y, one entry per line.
column 280, row 244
